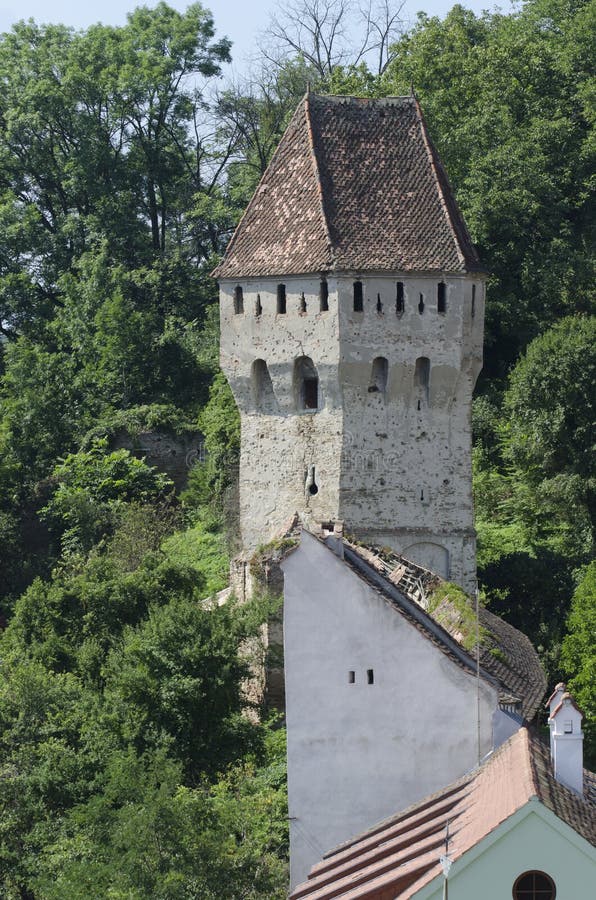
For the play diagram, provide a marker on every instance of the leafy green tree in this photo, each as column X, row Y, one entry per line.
column 579, row 656
column 507, row 99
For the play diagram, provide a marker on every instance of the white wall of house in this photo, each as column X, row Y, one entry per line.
column 532, row 839
column 358, row 752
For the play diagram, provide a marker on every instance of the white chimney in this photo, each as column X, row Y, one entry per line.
column 567, row 739
column 552, row 703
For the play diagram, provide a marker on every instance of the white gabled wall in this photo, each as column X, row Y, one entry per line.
column 358, row 752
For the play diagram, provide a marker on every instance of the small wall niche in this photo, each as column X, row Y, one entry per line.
column 399, row 299
column 238, row 300
column 442, row 298
column 422, row 379
column 306, row 385
column 351, row 677
column 379, row 376
column 324, row 296
column 358, row 297
column 262, row 386
column 281, row 299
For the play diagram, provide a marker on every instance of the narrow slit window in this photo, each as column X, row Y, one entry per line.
column 311, row 393
column 358, row 297
column 473, row 300
column 258, row 306
column 379, row 305
column 281, row 299
column 351, row 677
column 324, row 296
column 238, row 300
column 312, row 487
column 399, row 299
column 370, row 676
column 379, row 374
column 442, row 297
column 302, row 307
column 421, row 304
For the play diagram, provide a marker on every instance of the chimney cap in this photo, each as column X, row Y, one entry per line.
column 560, row 688
column 566, row 700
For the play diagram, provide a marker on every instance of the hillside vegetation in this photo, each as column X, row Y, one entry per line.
column 127, row 767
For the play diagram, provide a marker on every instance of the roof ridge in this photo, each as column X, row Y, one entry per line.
column 434, row 168
column 317, row 175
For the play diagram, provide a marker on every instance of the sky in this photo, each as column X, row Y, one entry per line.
column 240, row 20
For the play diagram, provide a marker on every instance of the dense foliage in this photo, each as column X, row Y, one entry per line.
column 127, row 766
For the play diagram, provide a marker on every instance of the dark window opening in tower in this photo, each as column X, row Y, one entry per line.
column 379, row 374
column 238, row 301
column 258, row 306
column 324, row 296
column 473, row 300
column 302, row 307
column 262, row 386
column 281, row 299
column 351, row 677
column 370, row 676
column 421, row 304
column 306, row 384
column 399, row 299
column 379, row 305
column 422, row 377
column 441, row 297
column 358, row 297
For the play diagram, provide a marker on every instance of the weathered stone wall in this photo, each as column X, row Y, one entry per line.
column 394, row 462
column 173, row 454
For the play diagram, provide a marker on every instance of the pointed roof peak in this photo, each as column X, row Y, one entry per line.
column 354, row 185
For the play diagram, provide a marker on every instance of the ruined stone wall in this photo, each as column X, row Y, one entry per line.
column 390, row 440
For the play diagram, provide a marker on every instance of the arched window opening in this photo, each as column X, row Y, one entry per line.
column 399, row 299
column 473, row 300
column 258, row 306
column 324, row 296
column 422, row 378
column 358, row 297
column 421, row 304
column 238, row 300
column 262, row 386
column 442, row 297
column 378, row 378
column 302, row 307
column 281, row 299
column 379, row 305
column 306, row 384
column 534, row 886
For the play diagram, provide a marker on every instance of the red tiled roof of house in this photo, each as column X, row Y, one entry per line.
column 402, row 854
column 355, row 185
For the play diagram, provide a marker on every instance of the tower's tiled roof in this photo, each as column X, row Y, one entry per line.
column 400, row 855
column 354, row 185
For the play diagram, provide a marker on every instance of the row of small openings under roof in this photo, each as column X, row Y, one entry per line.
column 358, row 300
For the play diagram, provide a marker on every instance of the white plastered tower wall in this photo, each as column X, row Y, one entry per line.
column 394, row 463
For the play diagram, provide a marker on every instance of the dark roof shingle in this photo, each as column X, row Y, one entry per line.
column 354, row 185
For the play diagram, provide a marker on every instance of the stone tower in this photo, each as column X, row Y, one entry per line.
column 352, row 304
